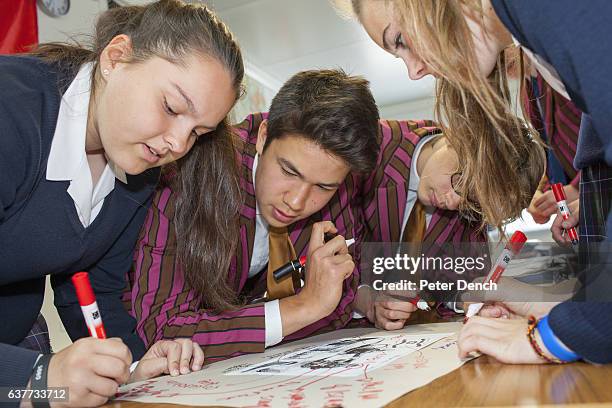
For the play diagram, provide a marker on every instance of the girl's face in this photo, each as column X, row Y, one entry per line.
column 151, row 113
column 435, row 186
column 383, row 25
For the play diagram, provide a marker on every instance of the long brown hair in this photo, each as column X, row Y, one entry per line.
column 501, row 156
column 205, row 181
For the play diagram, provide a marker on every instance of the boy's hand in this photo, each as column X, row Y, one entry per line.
column 327, row 266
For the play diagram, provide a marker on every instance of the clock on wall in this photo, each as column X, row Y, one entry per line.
column 54, row 8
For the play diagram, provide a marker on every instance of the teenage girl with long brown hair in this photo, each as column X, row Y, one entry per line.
column 84, row 132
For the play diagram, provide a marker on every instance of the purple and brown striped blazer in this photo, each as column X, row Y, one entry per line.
column 560, row 121
column 166, row 307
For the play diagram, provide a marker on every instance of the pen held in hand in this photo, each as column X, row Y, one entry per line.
column 298, row 264
column 512, row 248
column 564, row 210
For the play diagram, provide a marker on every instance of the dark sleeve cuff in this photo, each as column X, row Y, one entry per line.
column 584, row 327
column 17, row 365
column 135, row 345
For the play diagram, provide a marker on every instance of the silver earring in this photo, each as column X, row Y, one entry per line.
column 105, row 72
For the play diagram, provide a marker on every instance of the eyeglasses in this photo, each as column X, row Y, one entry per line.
column 470, row 215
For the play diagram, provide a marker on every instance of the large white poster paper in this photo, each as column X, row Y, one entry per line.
column 354, row 368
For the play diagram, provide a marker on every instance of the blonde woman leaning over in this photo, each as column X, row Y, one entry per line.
column 462, row 43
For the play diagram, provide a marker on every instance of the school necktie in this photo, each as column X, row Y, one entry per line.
column 414, row 233
column 415, row 227
column 281, row 252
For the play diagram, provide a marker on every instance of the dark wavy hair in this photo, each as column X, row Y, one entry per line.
column 334, row 110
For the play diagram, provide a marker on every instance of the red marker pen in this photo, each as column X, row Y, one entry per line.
column 512, row 248
column 564, row 210
column 87, row 300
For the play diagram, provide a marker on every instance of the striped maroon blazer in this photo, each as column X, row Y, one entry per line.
column 560, row 121
column 166, row 307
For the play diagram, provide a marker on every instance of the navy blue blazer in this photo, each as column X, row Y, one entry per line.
column 573, row 36
column 40, row 232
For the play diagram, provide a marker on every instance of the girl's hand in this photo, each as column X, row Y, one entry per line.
column 542, row 206
column 504, row 339
column 174, row 357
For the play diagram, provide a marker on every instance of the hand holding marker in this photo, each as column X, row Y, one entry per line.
column 564, row 210
column 512, row 248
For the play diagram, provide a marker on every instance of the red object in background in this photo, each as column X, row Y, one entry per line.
column 18, row 26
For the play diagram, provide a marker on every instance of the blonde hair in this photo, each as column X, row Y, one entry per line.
column 501, row 156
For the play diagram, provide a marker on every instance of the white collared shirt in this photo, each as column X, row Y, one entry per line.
column 67, row 157
column 259, row 259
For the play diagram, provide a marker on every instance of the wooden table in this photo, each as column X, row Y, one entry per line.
column 485, row 382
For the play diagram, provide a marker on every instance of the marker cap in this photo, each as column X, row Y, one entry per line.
column 83, row 288
column 558, row 192
column 517, row 240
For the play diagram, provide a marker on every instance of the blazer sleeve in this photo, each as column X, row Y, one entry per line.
column 586, row 328
column 108, row 279
column 17, row 364
column 166, row 307
column 18, row 157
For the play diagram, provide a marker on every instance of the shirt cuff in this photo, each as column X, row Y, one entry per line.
column 274, row 323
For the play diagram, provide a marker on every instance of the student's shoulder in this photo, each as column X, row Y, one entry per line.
column 23, row 75
column 402, row 133
column 245, row 134
column 247, row 129
column 29, row 101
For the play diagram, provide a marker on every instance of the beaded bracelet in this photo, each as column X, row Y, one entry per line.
column 532, row 322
